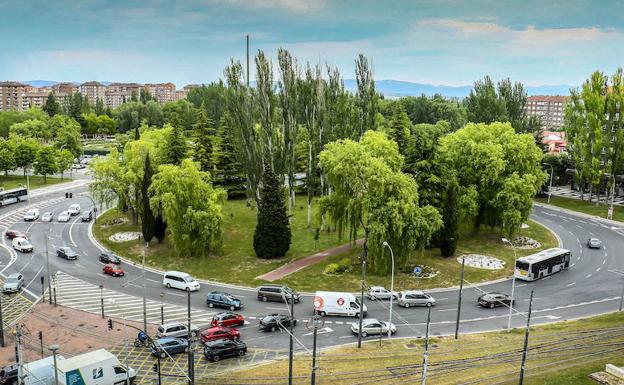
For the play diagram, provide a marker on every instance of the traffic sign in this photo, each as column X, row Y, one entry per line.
column 417, row 270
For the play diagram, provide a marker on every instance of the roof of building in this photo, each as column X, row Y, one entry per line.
column 92, row 83
column 547, row 98
column 12, row 84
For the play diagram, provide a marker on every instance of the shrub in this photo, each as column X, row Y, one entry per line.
column 332, row 269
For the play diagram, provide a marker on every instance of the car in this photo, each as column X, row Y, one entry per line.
column 493, row 300
column 273, row 322
column 215, row 350
column 74, row 209
column 219, row 333
column 594, row 243
column 113, row 270
column 379, row 292
column 64, row 216
column 47, row 217
column 67, row 253
column 176, row 329
column 108, row 257
column 228, row 319
column 31, row 215
column 86, row 216
column 180, row 280
column 8, row 375
column 22, row 244
column 279, row 293
column 78, row 166
column 221, row 299
column 12, row 234
column 13, row 283
column 409, row 298
column 169, row 346
column 372, row 326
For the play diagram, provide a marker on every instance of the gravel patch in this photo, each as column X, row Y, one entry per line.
column 482, row 261
column 125, row 236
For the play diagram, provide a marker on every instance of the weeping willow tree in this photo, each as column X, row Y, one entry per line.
column 371, row 194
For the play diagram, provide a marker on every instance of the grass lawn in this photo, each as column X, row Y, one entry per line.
column 585, row 207
column 236, row 263
column 559, row 354
column 14, row 181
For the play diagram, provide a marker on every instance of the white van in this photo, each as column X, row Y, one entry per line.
column 22, row 244
column 74, row 209
column 31, row 215
column 180, row 280
column 336, row 303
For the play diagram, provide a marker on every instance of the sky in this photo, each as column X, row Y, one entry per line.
column 441, row 42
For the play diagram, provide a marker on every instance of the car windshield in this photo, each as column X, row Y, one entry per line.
column 31, row 212
column 188, row 278
column 12, row 280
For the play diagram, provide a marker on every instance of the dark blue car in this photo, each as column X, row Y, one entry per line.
column 220, row 299
column 169, row 346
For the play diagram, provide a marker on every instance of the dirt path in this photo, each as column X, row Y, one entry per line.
column 299, row 264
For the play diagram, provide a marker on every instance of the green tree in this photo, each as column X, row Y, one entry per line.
column 272, row 236
column 184, row 111
column 483, row 104
column 228, row 174
column 400, row 129
column 32, row 128
column 177, row 148
column 7, row 157
column 69, row 139
column 366, row 95
column 99, row 106
column 145, row 96
column 449, row 233
column 189, row 204
column 45, row 162
column 205, row 136
column 25, row 151
column 211, row 97
column 147, row 215
column 370, row 193
column 51, row 105
column 160, row 227
column 64, row 161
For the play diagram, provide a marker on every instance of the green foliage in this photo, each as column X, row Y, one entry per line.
column 191, row 207
column 147, row 215
column 400, row 129
column 338, row 268
column 64, row 161
column 99, row 125
column 483, row 104
column 499, row 171
column 25, row 151
column 370, row 192
column 211, row 97
column 183, row 111
column 449, row 234
column 45, row 161
column 205, row 136
column 7, row 157
column 32, row 128
column 228, row 174
column 366, row 96
column 8, row 118
column 176, row 149
column 430, row 110
column 51, row 105
column 272, row 236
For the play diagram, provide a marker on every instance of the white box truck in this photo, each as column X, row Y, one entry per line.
column 99, row 367
column 336, row 303
column 40, row 372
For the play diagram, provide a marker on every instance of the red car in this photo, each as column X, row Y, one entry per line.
column 219, row 333
column 113, row 270
column 15, row 234
column 228, row 319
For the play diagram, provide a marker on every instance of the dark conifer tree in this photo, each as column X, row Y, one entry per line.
column 272, row 236
column 147, row 216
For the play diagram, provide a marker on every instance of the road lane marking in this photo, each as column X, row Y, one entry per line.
column 571, row 284
column 588, row 276
column 598, row 269
column 605, row 261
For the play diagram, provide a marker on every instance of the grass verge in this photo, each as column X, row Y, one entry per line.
column 14, row 181
column 563, row 353
column 584, row 207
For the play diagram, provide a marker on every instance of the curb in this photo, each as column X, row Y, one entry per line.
column 579, row 214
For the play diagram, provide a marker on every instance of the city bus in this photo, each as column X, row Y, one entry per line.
column 542, row 264
column 13, row 196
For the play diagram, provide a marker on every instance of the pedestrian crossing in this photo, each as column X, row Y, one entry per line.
column 9, row 219
column 78, row 294
column 569, row 193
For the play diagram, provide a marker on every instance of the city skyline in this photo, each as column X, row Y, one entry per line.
column 448, row 43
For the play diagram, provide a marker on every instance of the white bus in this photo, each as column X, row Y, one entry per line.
column 542, row 264
column 13, row 196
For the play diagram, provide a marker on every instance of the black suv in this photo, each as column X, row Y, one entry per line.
column 220, row 299
column 216, row 350
column 67, row 253
column 108, row 257
column 273, row 322
column 279, row 293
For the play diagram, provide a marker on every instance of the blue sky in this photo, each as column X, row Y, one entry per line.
column 448, row 42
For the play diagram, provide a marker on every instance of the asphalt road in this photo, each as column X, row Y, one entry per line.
column 593, row 285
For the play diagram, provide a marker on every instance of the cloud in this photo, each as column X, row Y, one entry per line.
column 84, row 57
column 298, row 6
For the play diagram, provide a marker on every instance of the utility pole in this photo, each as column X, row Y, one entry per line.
column 290, row 346
column 247, row 61
column 513, row 281
column 162, row 309
column 48, row 268
column 423, row 380
column 102, row 299
column 191, row 362
column 159, row 375
column 54, row 348
column 42, row 289
column 144, row 294
column 316, row 322
column 526, row 341
column 41, row 342
column 461, row 288
column 18, row 354
column 364, row 255
column 1, row 325
column 621, row 298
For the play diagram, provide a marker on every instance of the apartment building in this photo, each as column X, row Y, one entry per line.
column 548, row 108
column 93, row 91
column 37, row 97
column 119, row 93
column 162, row 92
column 13, row 96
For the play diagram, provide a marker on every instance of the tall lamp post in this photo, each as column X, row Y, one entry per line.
column 385, row 244
column 54, row 348
column 513, row 281
column 552, row 171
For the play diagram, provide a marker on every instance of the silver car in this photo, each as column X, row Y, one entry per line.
column 64, row 216
column 46, row 217
column 379, row 292
column 176, row 329
column 415, row 298
column 13, row 283
column 371, row 326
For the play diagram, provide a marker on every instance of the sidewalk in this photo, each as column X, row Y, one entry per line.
column 566, row 192
column 299, row 264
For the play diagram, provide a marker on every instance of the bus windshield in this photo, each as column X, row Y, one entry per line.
column 522, row 265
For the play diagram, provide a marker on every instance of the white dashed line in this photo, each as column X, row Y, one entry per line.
column 588, row 276
column 571, row 284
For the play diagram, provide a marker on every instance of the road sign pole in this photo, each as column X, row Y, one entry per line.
column 1, row 325
column 423, row 380
column 291, row 348
column 526, row 341
column 461, row 288
column 102, row 299
column 622, row 296
column 313, row 378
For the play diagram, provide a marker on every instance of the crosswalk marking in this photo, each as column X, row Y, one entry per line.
column 78, row 294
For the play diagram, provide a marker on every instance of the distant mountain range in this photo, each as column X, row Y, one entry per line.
column 398, row 88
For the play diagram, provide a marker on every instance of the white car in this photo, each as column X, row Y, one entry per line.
column 31, row 215
column 46, row 217
column 372, row 326
column 180, row 280
column 379, row 292
column 64, row 216
column 22, row 244
column 74, row 209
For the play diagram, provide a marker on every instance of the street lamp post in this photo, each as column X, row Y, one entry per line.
column 552, row 171
column 513, row 281
column 162, row 309
column 54, row 348
column 102, row 299
column 48, row 268
column 385, row 244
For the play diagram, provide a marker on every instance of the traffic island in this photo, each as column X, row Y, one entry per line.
column 612, row 375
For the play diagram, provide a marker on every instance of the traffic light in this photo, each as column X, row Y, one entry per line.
column 155, row 368
column 110, row 324
column 66, row 195
column 71, row 195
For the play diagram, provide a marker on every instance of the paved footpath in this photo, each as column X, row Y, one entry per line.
column 299, row 264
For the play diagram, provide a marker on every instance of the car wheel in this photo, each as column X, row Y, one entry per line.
column 237, row 338
column 210, row 304
column 407, row 305
column 492, row 306
column 188, row 289
column 429, row 304
column 273, row 328
column 168, row 286
column 364, row 334
column 232, row 308
column 373, row 298
column 264, row 299
column 295, row 323
column 163, row 355
column 357, row 315
column 323, row 314
column 186, row 349
column 241, row 353
column 216, row 358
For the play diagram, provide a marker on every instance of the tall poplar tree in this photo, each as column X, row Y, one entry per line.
column 147, row 216
column 205, row 135
column 366, row 95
